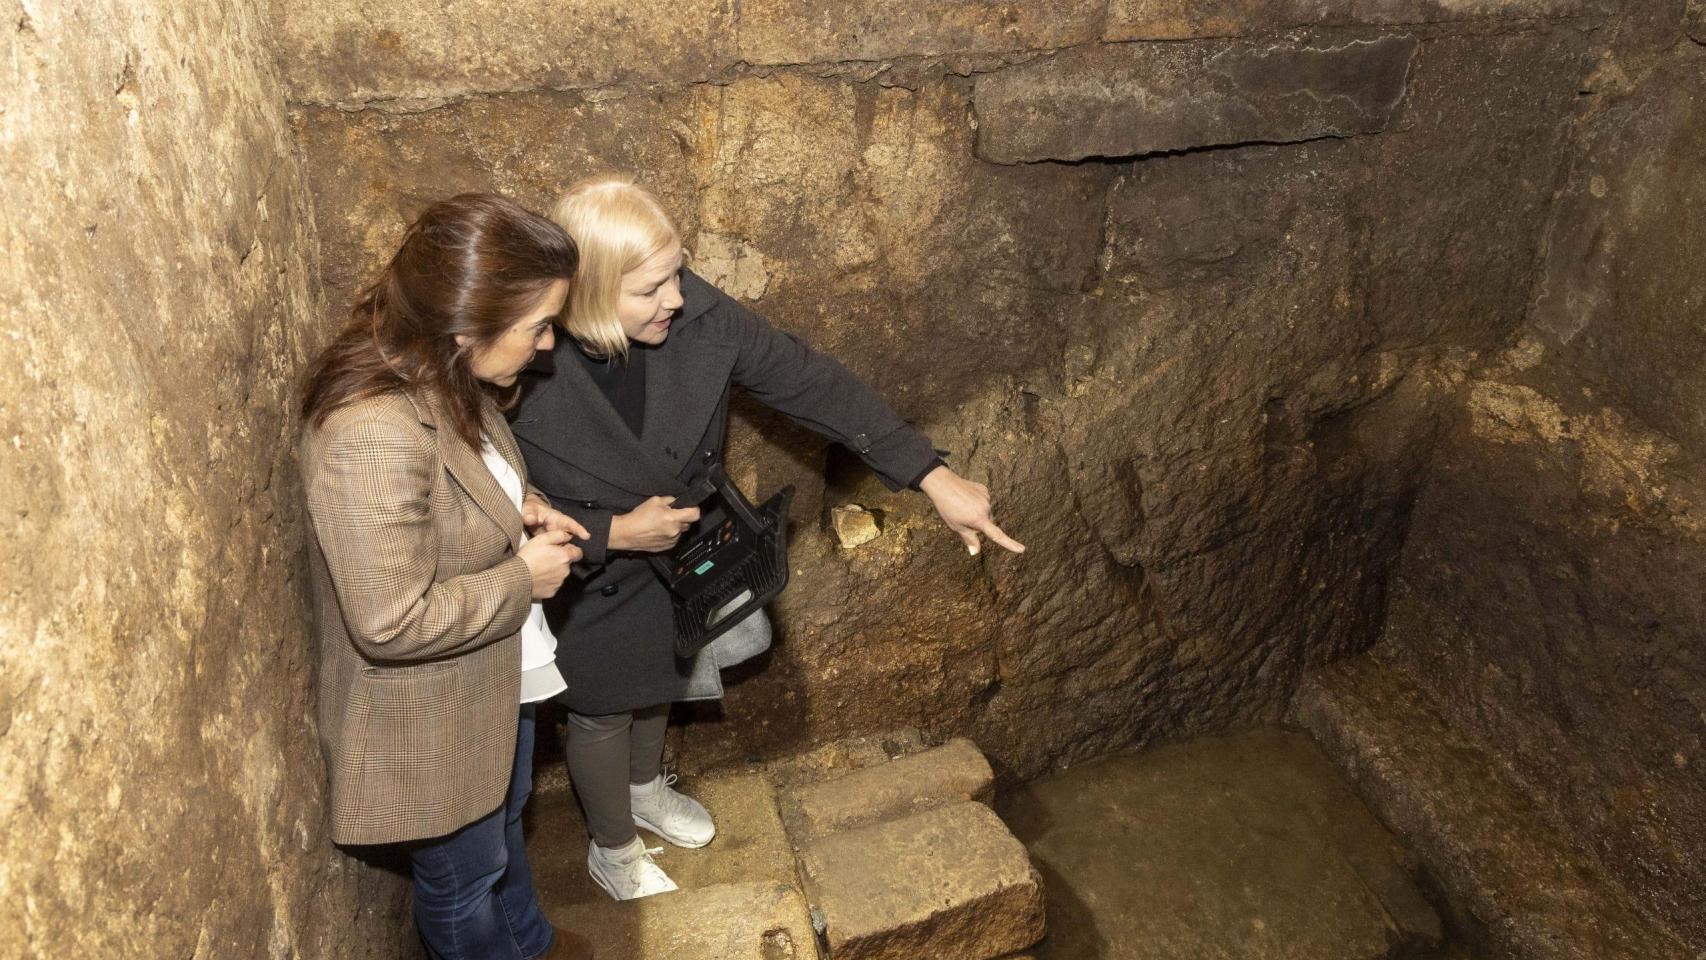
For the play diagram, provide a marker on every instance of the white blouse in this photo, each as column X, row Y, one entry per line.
column 539, row 677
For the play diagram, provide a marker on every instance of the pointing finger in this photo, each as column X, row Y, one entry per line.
column 995, row 533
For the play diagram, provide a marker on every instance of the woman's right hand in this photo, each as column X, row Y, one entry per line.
column 548, row 556
column 651, row 527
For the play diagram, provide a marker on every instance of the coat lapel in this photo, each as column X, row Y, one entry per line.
column 685, row 381
column 571, row 419
column 470, row 470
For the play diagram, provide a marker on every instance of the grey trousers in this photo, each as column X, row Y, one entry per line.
column 606, row 753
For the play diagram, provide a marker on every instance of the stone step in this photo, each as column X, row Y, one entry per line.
column 949, row 883
column 841, row 757
column 763, row 920
column 750, row 846
column 1517, row 884
column 954, row 771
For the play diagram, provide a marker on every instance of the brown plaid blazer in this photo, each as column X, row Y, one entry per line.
column 419, row 599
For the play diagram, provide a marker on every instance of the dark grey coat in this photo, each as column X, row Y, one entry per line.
column 614, row 627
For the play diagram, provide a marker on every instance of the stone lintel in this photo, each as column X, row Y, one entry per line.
column 1136, row 99
column 1200, row 19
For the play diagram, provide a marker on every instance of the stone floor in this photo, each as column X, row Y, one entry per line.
column 1248, row 846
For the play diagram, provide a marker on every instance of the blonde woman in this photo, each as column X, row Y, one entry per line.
column 635, row 407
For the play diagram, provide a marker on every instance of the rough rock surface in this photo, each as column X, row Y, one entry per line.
column 1549, row 594
column 160, row 786
column 954, row 771
column 1200, row 386
column 950, row 883
column 1520, row 886
column 1126, row 100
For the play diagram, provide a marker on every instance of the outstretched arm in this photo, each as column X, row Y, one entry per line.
column 782, row 372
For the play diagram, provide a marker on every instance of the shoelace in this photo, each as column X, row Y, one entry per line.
column 674, row 800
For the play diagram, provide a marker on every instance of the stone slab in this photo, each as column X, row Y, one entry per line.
column 954, row 771
column 1248, row 846
column 750, row 846
column 843, row 756
column 1515, row 881
column 725, row 921
column 1137, row 99
column 1196, row 19
column 950, row 884
column 824, row 31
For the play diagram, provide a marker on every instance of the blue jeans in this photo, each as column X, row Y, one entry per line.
column 474, row 896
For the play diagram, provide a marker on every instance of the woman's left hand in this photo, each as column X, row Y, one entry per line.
column 964, row 506
column 537, row 516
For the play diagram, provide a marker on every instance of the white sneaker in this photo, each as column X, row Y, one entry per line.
column 674, row 816
column 627, row 873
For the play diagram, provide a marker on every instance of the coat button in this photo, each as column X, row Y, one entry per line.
column 589, row 504
column 608, row 590
column 708, row 456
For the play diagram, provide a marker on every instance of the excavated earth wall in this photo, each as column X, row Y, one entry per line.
column 1195, row 287
column 1191, row 308
column 160, row 787
column 1549, row 594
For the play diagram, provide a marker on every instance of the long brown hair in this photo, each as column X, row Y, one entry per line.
column 471, row 266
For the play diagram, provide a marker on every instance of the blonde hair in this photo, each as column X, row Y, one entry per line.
column 617, row 226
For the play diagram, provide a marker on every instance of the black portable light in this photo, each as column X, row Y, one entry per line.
column 732, row 561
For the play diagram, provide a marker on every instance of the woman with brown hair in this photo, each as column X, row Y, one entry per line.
column 430, row 553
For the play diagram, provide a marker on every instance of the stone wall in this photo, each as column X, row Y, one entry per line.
column 159, row 780
column 1189, row 307
column 1550, row 591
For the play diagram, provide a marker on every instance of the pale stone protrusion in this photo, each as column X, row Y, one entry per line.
column 950, row 883
column 854, row 525
column 953, row 772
